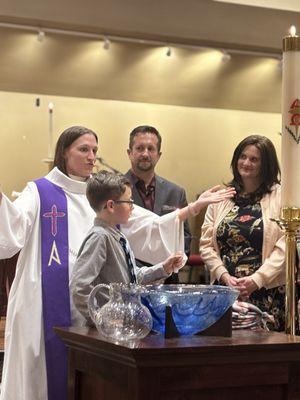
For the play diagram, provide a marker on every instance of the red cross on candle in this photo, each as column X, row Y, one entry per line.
column 295, row 111
column 54, row 214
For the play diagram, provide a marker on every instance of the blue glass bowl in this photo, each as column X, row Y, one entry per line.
column 194, row 307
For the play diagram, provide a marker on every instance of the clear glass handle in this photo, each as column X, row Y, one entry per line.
column 93, row 310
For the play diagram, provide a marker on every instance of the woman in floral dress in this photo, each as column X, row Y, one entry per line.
column 240, row 245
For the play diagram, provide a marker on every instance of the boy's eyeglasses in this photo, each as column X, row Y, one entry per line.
column 131, row 202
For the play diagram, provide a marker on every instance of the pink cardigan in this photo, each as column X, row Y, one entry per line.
column 272, row 271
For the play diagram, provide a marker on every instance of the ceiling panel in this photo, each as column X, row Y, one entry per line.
column 80, row 67
column 291, row 5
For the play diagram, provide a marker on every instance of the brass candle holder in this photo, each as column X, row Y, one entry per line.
column 289, row 222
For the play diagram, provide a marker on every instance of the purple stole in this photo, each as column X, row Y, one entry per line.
column 55, row 283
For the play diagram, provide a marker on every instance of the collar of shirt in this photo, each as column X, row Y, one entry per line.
column 114, row 231
column 140, row 184
column 65, row 182
column 147, row 194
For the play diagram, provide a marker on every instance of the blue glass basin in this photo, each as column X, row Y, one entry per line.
column 194, row 307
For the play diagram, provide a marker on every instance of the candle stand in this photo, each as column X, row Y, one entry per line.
column 290, row 223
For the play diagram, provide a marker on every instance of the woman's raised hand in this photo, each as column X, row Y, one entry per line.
column 215, row 195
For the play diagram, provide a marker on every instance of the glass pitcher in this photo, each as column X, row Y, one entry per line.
column 123, row 317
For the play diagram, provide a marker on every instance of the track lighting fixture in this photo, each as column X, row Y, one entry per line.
column 124, row 39
column 106, row 43
column 40, row 35
column 225, row 57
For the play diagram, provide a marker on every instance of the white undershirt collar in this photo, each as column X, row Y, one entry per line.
column 66, row 182
column 77, row 178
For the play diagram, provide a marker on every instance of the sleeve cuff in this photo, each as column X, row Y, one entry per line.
column 258, row 279
column 219, row 271
column 162, row 271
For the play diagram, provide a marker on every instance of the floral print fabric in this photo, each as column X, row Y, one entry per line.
column 240, row 237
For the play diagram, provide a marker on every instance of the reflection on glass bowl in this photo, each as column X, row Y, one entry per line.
column 194, row 307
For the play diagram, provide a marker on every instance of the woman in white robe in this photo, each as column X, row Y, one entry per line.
column 152, row 238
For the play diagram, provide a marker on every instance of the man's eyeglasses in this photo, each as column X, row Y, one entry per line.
column 131, row 202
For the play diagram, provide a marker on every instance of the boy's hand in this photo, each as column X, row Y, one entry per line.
column 173, row 263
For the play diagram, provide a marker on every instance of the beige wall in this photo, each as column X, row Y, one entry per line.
column 197, row 142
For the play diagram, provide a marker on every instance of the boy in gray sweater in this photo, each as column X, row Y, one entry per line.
column 105, row 255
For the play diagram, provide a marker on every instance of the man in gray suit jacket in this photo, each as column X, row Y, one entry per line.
column 148, row 189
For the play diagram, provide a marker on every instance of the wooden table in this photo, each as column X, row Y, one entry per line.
column 250, row 365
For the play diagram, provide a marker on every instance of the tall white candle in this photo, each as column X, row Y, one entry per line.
column 290, row 144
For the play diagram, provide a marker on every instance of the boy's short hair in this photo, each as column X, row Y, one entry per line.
column 105, row 186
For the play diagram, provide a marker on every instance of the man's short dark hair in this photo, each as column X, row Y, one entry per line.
column 105, row 186
column 144, row 129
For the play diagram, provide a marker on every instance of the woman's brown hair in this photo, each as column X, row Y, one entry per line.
column 269, row 172
column 65, row 140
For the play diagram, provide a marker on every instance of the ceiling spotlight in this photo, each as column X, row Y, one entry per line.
column 40, row 35
column 225, row 57
column 106, row 43
column 168, row 52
